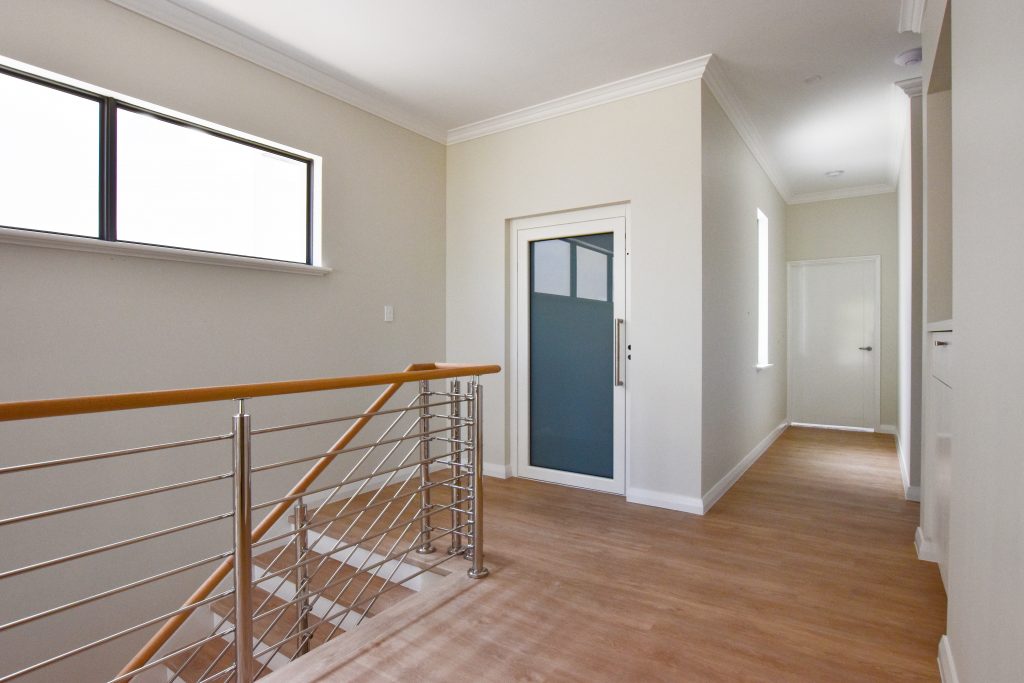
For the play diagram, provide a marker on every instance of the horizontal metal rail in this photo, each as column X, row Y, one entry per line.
column 354, row 544
column 346, row 418
column 361, row 559
column 113, row 499
column 362, row 539
column 113, row 636
column 355, row 511
column 367, row 571
column 111, row 454
column 445, row 531
column 447, row 439
column 350, row 449
column 113, row 591
column 171, row 655
column 335, row 489
column 329, row 618
column 346, row 608
column 111, row 546
column 460, row 418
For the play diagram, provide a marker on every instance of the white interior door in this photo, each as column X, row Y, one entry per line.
column 571, row 351
column 834, row 342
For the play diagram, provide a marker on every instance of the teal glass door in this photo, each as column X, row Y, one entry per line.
column 571, row 354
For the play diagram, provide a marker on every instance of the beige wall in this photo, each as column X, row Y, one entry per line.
column 986, row 543
column 861, row 226
column 81, row 323
column 741, row 405
column 382, row 251
column 644, row 150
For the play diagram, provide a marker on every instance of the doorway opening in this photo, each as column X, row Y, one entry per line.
column 834, row 350
column 570, row 348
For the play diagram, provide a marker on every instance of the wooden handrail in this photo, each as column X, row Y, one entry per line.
column 53, row 407
column 395, row 380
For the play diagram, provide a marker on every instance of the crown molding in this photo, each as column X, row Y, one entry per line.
column 912, row 86
column 208, row 31
column 715, row 78
column 585, row 99
column 706, row 67
column 911, row 16
column 844, row 193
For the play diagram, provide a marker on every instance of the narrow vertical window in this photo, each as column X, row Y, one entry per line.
column 762, row 290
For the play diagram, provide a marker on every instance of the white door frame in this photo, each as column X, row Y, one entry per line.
column 612, row 218
column 877, row 261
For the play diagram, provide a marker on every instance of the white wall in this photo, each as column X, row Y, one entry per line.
column 938, row 245
column 911, row 315
column 861, row 226
column 644, row 150
column 741, row 405
column 79, row 323
column 986, row 550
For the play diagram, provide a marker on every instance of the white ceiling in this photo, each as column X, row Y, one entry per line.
column 439, row 65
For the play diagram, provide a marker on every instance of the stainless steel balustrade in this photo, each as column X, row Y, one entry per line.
column 352, row 538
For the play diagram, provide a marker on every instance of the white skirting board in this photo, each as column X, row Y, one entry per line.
column 496, row 469
column 669, row 501
column 909, row 492
column 699, row 506
column 926, row 551
column 947, row 668
column 838, row 428
column 726, row 482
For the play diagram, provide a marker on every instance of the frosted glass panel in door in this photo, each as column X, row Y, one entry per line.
column 571, row 354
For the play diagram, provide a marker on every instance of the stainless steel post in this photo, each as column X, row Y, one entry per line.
column 424, row 541
column 455, row 389
column 242, row 443
column 478, row 570
column 301, row 578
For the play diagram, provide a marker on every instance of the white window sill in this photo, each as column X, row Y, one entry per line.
column 74, row 243
column 759, row 368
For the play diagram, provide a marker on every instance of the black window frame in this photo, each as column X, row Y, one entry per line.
column 107, row 200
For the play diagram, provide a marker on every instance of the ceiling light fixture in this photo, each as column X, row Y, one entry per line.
column 835, row 174
column 909, row 57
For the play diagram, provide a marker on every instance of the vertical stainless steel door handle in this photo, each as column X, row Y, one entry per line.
column 620, row 349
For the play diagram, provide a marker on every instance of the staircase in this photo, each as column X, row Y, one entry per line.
column 343, row 594
column 312, row 564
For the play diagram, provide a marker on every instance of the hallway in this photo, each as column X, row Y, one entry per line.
column 804, row 571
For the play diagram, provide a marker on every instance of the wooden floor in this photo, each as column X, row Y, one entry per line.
column 804, row 571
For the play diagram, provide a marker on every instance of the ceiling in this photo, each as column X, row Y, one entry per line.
column 441, row 65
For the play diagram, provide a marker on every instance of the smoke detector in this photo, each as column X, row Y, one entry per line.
column 909, row 57
column 834, row 174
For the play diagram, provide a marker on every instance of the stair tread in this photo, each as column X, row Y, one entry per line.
column 217, row 650
column 278, row 631
column 341, row 591
column 367, row 523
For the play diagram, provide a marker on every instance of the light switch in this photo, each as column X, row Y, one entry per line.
column 389, row 313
